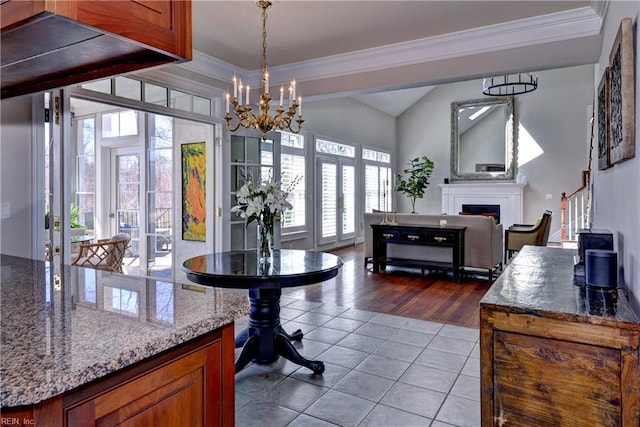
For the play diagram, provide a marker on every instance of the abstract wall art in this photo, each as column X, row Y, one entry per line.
column 194, row 208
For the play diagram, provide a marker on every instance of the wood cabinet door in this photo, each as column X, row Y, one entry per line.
column 549, row 382
column 187, row 391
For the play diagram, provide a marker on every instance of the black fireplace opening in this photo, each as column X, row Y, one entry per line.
column 488, row 210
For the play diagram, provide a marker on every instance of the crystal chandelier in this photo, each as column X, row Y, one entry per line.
column 265, row 123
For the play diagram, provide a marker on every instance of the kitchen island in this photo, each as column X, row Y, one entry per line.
column 80, row 346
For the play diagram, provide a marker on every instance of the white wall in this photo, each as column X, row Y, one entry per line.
column 616, row 190
column 556, row 116
column 16, row 187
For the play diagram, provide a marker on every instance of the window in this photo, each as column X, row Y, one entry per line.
column 377, row 180
column 160, row 184
column 293, row 167
column 250, row 157
column 336, row 186
column 151, row 93
column 119, row 123
column 86, row 171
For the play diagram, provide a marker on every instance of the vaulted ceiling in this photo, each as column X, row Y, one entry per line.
column 359, row 48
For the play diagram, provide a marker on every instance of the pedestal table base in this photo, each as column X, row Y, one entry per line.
column 264, row 339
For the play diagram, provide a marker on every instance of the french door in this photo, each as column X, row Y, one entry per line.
column 126, row 197
column 337, row 202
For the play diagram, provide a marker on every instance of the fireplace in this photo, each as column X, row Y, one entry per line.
column 488, row 210
column 507, row 195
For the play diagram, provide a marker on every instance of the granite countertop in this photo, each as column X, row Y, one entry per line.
column 540, row 281
column 62, row 329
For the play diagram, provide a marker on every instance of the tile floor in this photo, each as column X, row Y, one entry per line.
column 380, row 370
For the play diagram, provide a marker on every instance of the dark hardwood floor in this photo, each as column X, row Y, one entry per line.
column 403, row 292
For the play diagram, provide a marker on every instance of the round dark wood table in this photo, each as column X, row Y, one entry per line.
column 264, row 340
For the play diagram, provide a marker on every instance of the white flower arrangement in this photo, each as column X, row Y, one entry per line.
column 262, row 202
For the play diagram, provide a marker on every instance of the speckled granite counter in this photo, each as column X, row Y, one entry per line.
column 56, row 336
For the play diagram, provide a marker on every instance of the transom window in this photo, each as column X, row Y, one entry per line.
column 335, row 148
column 119, row 123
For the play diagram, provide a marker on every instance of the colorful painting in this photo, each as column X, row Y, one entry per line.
column 194, row 208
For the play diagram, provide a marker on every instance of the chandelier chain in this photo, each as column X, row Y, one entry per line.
column 264, row 43
column 289, row 118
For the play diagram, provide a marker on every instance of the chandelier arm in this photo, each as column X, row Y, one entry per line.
column 228, row 119
column 299, row 120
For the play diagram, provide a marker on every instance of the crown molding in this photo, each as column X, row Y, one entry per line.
column 556, row 27
column 600, row 7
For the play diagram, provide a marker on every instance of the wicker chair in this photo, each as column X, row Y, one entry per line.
column 106, row 254
column 518, row 235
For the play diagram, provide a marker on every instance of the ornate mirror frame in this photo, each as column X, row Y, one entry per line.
column 511, row 140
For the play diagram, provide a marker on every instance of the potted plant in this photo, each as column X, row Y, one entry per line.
column 414, row 180
column 77, row 229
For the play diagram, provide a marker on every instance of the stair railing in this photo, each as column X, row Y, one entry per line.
column 575, row 210
column 576, row 207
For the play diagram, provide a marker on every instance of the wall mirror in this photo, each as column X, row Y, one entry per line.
column 484, row 137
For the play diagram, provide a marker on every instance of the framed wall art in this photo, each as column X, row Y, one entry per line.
column 194, row 208
column 604, row 160
column 621, row 95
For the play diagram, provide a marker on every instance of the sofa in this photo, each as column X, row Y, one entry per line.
column 483, row 240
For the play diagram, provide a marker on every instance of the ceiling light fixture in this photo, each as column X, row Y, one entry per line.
column 265, row 123
column 510, row 85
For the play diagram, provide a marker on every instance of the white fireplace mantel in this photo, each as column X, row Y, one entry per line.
column 509, row 195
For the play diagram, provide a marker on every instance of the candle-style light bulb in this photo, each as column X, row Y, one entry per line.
column 227, row 102
column 300, row 106
column 235, row 86
column 281, row 94
column 266, row 83
column 247, row 97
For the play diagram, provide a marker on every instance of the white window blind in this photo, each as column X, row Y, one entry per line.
column 292, row 167
column 377, row 180
column 328, row 199
column 348, row 200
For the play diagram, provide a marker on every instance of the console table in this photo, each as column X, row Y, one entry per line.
column 423, row 235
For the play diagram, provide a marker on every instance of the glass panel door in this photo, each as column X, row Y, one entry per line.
column 160, row 216
column 348, row 199
column 328, row 225
column 251, row 157
column 127, row 208
column 336, row 189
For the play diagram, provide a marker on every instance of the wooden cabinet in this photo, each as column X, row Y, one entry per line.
column 191, row 385
column 554, row 353
column 53, row 43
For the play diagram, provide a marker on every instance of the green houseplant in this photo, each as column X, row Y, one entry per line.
column 75, row 216
column 414, row 180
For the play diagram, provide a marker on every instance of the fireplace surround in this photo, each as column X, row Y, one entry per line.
column 507, row 195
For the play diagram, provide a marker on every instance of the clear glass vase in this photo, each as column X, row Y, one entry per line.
column 265, row 242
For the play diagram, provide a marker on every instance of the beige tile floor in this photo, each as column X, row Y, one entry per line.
column 381, row 370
